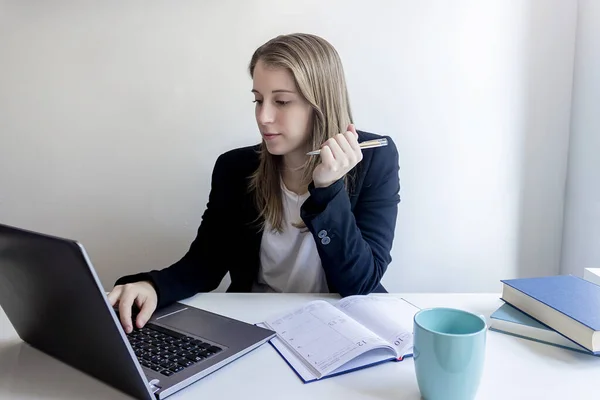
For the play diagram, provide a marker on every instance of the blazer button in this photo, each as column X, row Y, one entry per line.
column 325, row 240
column 322, row 234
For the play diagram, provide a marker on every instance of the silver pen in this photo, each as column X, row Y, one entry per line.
column 369, row 144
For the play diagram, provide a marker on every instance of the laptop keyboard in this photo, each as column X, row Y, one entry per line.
column 167, row 351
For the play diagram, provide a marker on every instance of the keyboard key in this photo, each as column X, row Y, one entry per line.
column 165, row 331
column 149, row 357
column 168, row 365
column 166, row 351
column 186, row 363
column 162, row 361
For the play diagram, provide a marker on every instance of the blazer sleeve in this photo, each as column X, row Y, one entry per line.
column 355, row 245
column 199, row 270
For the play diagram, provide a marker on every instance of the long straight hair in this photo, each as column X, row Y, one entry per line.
column 319, row 77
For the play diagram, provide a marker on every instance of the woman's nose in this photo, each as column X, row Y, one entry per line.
column 266, row 114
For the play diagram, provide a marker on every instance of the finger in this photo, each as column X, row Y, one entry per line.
column 352, row 129
column 125, row 304
column 336, row 150
column 146, row 310
column 344, row 141
column 327, row 157
column 139, row 301
column 351, row 138
column 354, row 145
column 113, row 296
column 339, row 155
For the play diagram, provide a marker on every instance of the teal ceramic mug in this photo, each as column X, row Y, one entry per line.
column 449, row 353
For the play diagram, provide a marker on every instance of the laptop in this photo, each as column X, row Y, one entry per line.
column 56, row 303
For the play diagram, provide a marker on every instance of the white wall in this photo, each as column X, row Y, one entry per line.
column 581, row 242
column 113, row 113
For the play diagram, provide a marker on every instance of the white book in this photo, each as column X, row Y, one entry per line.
column 323, row 339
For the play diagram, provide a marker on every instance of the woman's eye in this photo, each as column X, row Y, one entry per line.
column 257, row 101
column 282, row 103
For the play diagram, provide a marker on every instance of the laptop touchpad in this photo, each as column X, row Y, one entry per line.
column 210, row 326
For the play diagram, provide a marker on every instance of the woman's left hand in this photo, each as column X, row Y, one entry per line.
column 338, row 156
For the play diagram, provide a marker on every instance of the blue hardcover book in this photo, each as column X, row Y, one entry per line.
column 323, row 339
column 509, row 320
column 568, row 304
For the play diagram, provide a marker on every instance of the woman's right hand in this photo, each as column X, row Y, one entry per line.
column 142, row 294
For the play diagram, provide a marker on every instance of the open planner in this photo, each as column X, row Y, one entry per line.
column 323, row 339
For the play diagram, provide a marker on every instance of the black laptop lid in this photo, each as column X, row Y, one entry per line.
column 56, row 303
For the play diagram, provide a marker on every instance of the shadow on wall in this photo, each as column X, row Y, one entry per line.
column 545, row 138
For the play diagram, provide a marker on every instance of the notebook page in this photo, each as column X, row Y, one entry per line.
column 389, row 317
column 323, row 336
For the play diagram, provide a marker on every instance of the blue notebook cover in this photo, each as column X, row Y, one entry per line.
column 349, row 367
column 573, row 296
column 341, row 372
column 330, row 329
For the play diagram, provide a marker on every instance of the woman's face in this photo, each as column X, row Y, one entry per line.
column 284, row 118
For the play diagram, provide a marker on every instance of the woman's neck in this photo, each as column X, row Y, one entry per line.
column 294, row 161
column 293, row 172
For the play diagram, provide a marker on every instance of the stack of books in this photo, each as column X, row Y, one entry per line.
column 561, row 310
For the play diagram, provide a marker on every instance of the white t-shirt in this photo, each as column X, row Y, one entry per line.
column 289, row 261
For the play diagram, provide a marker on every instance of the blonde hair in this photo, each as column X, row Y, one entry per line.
column 319, row 77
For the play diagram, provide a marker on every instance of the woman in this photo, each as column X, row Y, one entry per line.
column 278, row 219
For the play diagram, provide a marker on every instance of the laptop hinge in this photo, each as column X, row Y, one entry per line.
column 154, row 385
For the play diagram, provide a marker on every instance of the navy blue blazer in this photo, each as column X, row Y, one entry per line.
column 354, row 229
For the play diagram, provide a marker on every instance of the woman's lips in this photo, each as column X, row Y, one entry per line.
column 270, row 136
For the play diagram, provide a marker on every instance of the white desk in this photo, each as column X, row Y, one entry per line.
column 514, row 369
